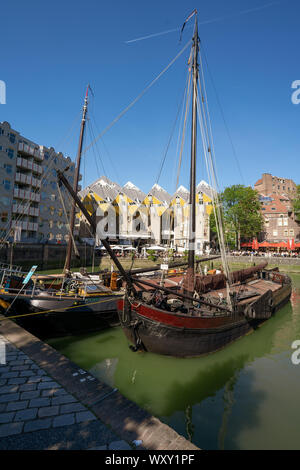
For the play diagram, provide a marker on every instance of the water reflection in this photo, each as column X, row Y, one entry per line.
column 223, row 400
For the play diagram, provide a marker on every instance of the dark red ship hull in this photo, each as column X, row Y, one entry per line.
column 181, row 335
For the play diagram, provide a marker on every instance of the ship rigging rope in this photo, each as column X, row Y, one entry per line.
column 57, row 309
column 223, row 117
column 68, row 223
column 137, row 98
column 212, row 182
column 209, row 153
column 188, row 101
column 181, row 104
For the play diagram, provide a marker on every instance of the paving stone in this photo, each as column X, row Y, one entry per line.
column 10, row 429
column 72, row 408
column 34, row 367
column 2, row 407
column 20, row 368
column 24, row 415
column 85, row 416
column 63, row 399
column 11, row 357
column 60, row 392
column 46, row 385
column 2, row 382
column 27, row 387
column 28, row 361
column 9, row 389
column 98, row 448
column 9, row 397
column 34, row 379
column 6, row 417
column 64, row 420
column 119, row 445
column 46, row 411
column 49, row 393
column 30, row 394
column 17, row 405
column 45, row 378
column 37, row 424
column 4, row 369
column 9, row 375
column 26, row 373
column 17, row 363
column 18, row 380
column 39, row 402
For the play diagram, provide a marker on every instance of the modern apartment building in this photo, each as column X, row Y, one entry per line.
column 30, row 206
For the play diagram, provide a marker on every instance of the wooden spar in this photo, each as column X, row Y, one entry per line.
column 192, row 225
column 75, row 184
column 183, row 296
column 92, row 223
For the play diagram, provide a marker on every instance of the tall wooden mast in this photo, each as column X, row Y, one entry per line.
column 75, row 183
column 192, row 201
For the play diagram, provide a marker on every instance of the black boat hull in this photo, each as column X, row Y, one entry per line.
column 157, row 336
column 47, row 317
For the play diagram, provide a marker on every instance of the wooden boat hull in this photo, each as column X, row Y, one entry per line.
column 180, row 335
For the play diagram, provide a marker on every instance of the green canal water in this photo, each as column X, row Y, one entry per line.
column 246, row 396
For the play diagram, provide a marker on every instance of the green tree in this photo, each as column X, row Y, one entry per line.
column 241, row 214
column 296, row 204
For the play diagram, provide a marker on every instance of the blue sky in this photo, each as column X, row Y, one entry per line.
column 51, row 50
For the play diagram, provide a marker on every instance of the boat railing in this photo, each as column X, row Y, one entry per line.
column 35, row 291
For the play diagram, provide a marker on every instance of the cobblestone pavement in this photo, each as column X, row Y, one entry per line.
column 36, row 412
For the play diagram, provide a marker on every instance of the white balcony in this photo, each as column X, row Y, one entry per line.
column 29, row 150
column 27, row 179
column 25, row 209
column 25, row 225
column 29, row 165
column 29, row 195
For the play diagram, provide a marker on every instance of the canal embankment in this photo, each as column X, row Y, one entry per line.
column 49, row 402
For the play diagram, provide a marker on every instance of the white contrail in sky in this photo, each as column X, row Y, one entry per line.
column 213, row 20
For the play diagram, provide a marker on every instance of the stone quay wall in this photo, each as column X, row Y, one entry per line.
column 45, row 256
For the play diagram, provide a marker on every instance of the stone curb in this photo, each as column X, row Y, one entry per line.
column 124, row 417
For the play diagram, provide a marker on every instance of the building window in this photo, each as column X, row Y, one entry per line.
column 291, row 231
column 8, row 168
column 286, row 221
column 52, row 197
column 6, row 184
column 4, row 217
column 5, row 201
column 275, row 233
column 286, row 233
column 10, row 153
column 12, row 138
column 279, row 222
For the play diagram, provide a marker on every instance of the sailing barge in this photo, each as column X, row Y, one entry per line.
column 196, row 314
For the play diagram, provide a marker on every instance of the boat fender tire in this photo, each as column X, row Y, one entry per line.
column 270, row 302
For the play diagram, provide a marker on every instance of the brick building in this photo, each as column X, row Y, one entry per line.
column 276, row 195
